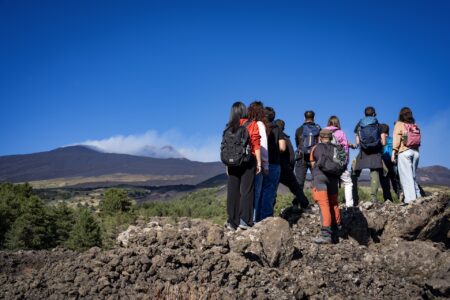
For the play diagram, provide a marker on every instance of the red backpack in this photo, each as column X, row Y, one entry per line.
column 411, row 135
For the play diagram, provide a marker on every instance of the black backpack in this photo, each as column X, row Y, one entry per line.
column 333, row 161
column 235, row 147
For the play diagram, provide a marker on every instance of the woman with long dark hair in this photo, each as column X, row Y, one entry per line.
column 256, row 113
column 406, row 147
column 240, row 190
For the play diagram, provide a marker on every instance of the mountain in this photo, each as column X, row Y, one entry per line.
column 435, row 175
column 82, row 161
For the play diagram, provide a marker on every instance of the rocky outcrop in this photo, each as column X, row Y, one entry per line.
column 385, row 251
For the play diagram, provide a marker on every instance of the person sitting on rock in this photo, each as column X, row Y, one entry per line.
column 325, row 190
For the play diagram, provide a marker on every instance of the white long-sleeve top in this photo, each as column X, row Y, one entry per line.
column 264, row 148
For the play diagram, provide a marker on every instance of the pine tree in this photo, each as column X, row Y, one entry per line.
column 115, row 200
column 86, row 232
column 30, row 230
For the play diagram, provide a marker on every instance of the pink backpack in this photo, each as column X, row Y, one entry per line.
column 411, row 135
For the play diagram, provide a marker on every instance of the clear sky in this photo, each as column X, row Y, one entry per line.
column 167, row 72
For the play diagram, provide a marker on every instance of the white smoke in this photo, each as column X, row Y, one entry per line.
column 170, row 144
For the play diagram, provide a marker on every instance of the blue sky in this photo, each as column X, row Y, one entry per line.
column 167, row 72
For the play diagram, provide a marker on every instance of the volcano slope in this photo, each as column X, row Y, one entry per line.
column 386, row 251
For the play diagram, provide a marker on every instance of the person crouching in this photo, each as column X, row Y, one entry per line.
column 325, row 190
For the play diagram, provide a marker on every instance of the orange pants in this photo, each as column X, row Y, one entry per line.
column 329, row 208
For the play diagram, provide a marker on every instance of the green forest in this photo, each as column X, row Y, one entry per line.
column 28, row 222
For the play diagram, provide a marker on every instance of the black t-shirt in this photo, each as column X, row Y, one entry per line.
column 288, row 156
column 273, row 145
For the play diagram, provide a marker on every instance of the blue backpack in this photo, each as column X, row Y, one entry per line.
column 310, row 137
column 369, row 133
column 387, row 149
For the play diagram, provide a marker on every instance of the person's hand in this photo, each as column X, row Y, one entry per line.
column 393, row 158
column 258, row 169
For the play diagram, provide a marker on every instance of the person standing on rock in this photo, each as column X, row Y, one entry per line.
column 339, row 138
column 407, row 138
column 287, row 176
column 326, row 187
column 306, row 136
column 276, row 145
column 368, row 138
column 389, row 175
column 256, row 113
column 241, row 178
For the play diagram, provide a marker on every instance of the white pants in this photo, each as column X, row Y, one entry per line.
column 348, row 186
column 407, row 164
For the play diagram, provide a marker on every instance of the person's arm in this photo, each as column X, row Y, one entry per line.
column 264, row 149
column 258, row 161
column 298, row 137
column 311, row 157
column 356, row 136
column 282, row 145
column 383, row 139
column 396, row 140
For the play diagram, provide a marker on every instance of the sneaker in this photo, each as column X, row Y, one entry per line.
column 244, row 226
column 336, row 233
column 308, row 210
column 296, row 208
column 229, row 226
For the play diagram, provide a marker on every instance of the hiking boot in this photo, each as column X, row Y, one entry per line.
column 320, row 239
column 325, row 236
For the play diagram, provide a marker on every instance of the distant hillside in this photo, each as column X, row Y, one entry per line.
column 81, row 161
column 435, row 175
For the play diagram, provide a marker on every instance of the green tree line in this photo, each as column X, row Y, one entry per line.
column 26, row 222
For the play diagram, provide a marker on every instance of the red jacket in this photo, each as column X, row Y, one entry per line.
column 255, row 138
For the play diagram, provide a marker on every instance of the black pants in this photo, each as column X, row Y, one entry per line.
column 388, row 180
column 301, row 168
column 240, row 194
column 287, row 177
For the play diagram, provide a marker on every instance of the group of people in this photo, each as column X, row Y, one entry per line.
column 259, row 155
